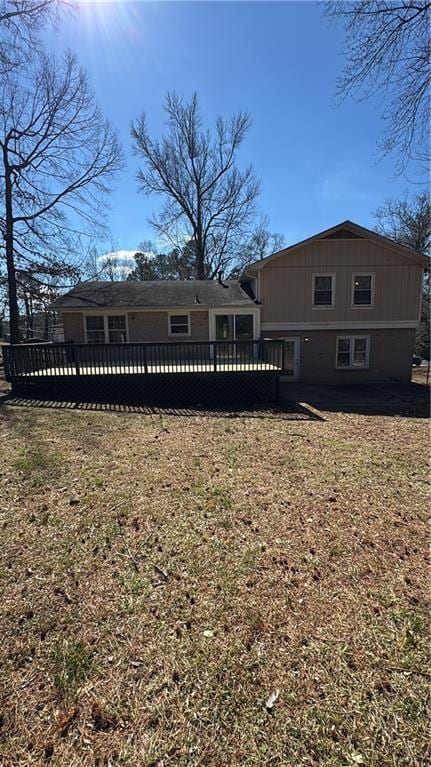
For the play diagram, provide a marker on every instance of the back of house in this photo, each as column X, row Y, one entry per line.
column 346, row 301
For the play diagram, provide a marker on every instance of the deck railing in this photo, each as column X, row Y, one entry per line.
column 24, row 361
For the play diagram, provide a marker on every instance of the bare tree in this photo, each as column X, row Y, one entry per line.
column 407, row 222
column 20, row 25
column 261, row 243
column 388, row 50
column 57, row 158
column 208, row 200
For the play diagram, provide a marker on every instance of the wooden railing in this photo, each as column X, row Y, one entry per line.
column 24, row 361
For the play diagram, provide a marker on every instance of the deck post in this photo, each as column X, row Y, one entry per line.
column 145, row 359
column 6, row 364
column 214, row 358
column 74, row 359
column 277, row 388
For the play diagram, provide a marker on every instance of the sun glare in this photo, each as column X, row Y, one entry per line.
column 110, row 25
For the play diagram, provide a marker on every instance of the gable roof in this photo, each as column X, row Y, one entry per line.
column 347, row 230
column 152, row 293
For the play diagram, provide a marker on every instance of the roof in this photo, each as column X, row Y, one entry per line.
column 346, row 230
column 158, row 294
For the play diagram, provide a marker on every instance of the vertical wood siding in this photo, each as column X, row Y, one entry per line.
column 286, row 283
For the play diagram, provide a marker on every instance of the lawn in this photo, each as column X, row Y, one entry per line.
column 220, row 591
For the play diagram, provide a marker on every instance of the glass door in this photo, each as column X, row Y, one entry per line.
column 230, row 328
column 243, row 327
column 234, row 327
column 291, row 359
column 224, row 327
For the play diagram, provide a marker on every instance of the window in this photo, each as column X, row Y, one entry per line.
column 117, row 333
column 323, row 291
column 353, row 352
column 234, row 327
column 95, row 330
column 104, row 329
column 363, row 290
column 179, row 324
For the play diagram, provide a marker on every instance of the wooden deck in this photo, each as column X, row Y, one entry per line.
column 189, row 371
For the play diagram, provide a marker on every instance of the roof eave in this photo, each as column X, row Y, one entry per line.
column 148, row 307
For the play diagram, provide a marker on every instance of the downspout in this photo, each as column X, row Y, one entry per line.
column 256, row 290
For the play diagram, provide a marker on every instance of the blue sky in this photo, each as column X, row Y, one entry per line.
column 317, row 162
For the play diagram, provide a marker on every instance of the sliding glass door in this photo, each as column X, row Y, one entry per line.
column 234, row 327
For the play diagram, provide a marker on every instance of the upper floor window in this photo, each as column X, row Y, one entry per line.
column 363, row 290
column 353, row 352
column 323, row 291
column 179, row 324
column 106, row 329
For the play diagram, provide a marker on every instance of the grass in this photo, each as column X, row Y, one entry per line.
column 72, row 662
column 162, row 577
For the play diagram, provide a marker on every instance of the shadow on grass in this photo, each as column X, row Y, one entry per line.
column 392, row 399
column 292, row 411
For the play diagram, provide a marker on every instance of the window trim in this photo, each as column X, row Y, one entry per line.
column 179, row 313
column 333, row 283
column 105, row 316
column 352, row 298
column 351, row 353
column 255, row 311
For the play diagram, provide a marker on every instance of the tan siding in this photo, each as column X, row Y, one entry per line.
column 153, row 326
column 73, row 327
column 286, row 283
column 390, row 356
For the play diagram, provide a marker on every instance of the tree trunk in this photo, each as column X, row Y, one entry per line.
column 199, row 244
column 28, row 322
column 200, row 264
column 46, row 325
column 10, row 263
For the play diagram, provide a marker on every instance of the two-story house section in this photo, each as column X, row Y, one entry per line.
column 348, row 303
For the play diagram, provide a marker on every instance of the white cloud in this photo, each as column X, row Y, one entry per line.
column 118, row 255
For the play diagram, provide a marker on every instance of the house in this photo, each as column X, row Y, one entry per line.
column 346, row 301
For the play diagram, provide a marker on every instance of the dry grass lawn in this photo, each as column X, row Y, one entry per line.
column 212, row 591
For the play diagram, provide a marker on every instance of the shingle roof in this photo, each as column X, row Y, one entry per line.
column 160, row 293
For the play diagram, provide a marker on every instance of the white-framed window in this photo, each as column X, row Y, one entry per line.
column 323, row 296
column 353, row 352
column 95, row 329
column 106, row 328
column 363, row 289
column 179, row 324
